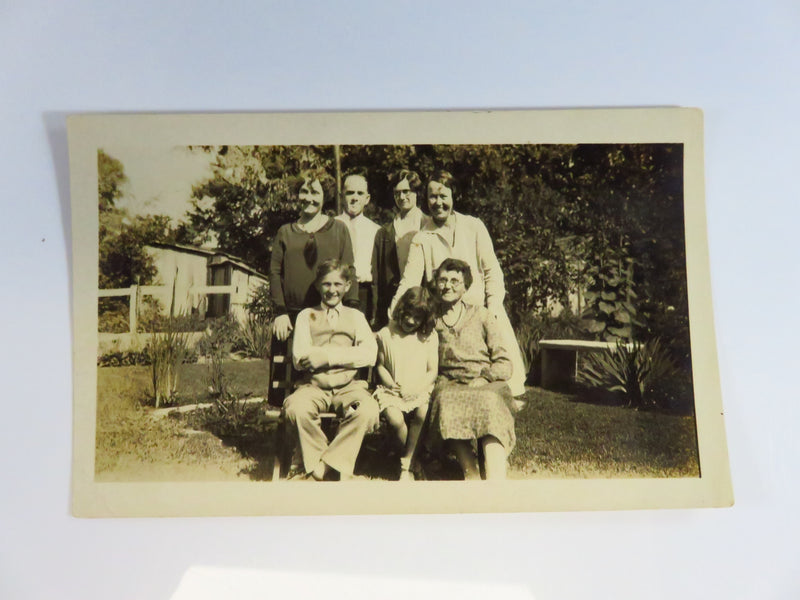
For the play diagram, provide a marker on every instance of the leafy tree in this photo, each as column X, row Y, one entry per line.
column 111, row 179
column 122, row 237
column 250, row 195
column 562, row 217
column 123, row 260
column 634, row 197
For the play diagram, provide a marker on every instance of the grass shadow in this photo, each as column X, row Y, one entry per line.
column 673, row 399
column 258, row 448
column 577, row 392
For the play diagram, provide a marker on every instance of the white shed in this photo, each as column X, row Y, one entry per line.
column 196, row 272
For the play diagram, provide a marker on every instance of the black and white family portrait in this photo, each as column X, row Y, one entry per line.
column 402, row 313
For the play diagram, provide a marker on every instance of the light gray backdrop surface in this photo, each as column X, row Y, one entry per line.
column 737, row 61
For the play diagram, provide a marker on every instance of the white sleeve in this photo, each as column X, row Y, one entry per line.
column 362, row 353
column 301, row 339
column 412, row 273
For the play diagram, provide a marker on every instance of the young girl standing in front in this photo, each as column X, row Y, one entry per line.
column 408, row 358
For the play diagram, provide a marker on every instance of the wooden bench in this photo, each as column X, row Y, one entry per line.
column 560, row 359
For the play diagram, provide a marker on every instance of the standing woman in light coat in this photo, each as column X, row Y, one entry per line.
column 449, row 234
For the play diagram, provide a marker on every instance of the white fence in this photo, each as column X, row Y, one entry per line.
column 132, row 339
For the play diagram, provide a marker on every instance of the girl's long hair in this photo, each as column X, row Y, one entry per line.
column 419, row 302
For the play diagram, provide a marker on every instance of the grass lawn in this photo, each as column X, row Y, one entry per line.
column 558, row 436
column 131, row 445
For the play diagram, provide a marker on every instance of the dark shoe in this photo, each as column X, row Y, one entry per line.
column 298, row 474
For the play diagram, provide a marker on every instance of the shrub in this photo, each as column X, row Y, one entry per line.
column 221, row 336
column 256, row 337
column 232, row 419
column 255, row 334
column 540, row 326
column 152, row 320
column 634, row 369
column 610, row 312
column 130, row 358
column 260, row 304
column 125, row 358
column 113, row 315
column 167, row 350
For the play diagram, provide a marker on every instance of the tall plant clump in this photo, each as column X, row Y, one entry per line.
column 634, row 369
column 610, row 312
column 256, row 337
column 167, row 350
column 217, row 344
column 256, row 331
column 226, row 415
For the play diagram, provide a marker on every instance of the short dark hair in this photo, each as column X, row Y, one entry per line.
column 445, row 178
column 456, row 265
column 334, row 264
column 309, row 176
column 414, row 181
column 419, row 302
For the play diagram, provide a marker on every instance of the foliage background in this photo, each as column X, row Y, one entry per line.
column 555, row 213
column 601, row 220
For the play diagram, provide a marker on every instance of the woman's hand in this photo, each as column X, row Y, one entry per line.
column 478, row 382
column 282, row 327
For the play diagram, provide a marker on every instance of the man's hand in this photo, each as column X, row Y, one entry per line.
column 282, row 327
column 478, row 382
column 317, row 358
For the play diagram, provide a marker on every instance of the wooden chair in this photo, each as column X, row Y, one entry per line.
column 280, row 386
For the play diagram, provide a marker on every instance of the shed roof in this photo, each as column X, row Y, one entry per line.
column 215, row 256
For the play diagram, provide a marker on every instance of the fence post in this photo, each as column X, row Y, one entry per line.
column 134, row 308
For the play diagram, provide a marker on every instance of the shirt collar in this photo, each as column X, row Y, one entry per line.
column 326, row 309
column 414, row 213
column 348, row 219
column 428, row 223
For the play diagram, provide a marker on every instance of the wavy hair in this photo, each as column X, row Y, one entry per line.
column 414, row 181
column 457, row 266
column 445, row 178
column 418, row 302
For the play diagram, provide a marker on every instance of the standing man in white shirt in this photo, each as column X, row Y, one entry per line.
column 362, row 234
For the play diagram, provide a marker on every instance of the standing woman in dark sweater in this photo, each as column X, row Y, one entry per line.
column 297, row 250
column 392, row 244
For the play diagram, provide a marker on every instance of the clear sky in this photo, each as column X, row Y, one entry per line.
column 160, row 180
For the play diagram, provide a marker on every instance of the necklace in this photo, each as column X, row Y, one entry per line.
column 456, row 320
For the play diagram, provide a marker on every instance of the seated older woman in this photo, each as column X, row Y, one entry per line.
column 471, row 399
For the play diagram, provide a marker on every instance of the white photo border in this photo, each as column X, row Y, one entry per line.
column 87, row 133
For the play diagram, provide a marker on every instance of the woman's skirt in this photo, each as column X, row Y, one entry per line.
column 461, row 412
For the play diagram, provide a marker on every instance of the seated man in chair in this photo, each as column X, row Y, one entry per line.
column 331, row 342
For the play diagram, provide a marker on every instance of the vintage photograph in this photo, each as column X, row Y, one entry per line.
column 391, row 315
